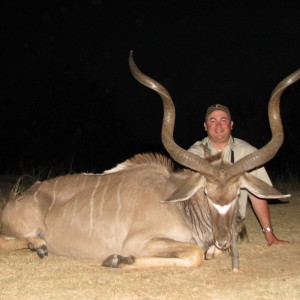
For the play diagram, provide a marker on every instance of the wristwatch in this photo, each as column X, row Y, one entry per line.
column 267, row 229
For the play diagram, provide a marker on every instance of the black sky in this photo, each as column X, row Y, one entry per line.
column 68, row 98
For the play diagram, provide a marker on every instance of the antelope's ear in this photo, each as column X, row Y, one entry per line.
column 259, row 188
column 187, row 189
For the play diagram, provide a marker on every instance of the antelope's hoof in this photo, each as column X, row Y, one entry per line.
column 41, row 252
column 113, row 261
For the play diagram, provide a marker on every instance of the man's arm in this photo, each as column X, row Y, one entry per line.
column 261, row 209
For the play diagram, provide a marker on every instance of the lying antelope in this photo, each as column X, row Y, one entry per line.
column 142, row 213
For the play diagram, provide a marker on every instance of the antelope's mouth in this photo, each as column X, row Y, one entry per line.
column 222, row 245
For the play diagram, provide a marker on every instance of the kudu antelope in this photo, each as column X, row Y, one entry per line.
column 142, row 213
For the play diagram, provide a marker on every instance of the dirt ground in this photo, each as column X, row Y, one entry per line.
column 266, row 272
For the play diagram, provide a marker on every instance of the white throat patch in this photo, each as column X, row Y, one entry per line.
column 222, row 210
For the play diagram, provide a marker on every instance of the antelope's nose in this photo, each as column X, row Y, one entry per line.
column 222, row 244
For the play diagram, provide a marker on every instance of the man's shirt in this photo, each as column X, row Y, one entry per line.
column 239, row 148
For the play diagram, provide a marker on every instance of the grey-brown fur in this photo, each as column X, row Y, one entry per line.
column 142, row 213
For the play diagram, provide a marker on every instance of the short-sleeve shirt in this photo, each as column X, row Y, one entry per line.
column 240, row 149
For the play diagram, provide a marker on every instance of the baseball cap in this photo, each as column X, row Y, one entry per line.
column 217, row 107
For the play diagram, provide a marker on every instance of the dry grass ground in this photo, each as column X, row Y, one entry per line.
column 266, row 272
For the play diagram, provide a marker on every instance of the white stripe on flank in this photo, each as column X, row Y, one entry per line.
column 119, row 197
column 53, row 202
column 74, row 211
column 104, row 194
column 35, row 197
column 92, row 206
column 54, row 194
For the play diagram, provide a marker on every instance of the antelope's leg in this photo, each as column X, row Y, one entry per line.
column 34, row 243
column 234, row 250
column 235, row 257
column 8, row 243
column 162, row 253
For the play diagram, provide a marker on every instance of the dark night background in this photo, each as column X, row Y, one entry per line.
column 69, row 102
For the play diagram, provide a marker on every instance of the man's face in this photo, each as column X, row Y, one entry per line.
column 218, row 127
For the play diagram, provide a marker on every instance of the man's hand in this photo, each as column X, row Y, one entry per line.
column 272, row 239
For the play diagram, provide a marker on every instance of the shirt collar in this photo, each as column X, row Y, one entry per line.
column 214, row 150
